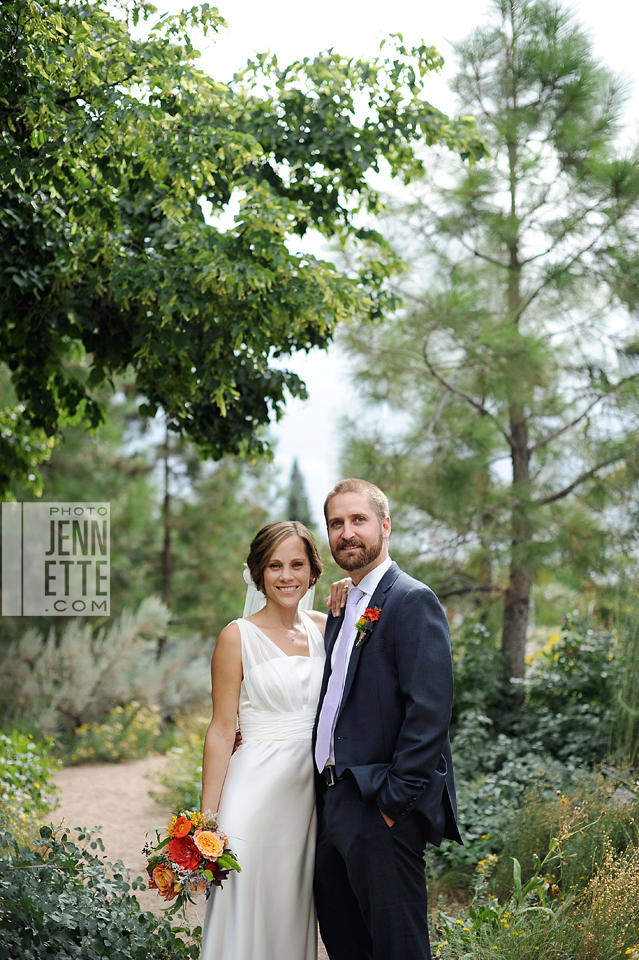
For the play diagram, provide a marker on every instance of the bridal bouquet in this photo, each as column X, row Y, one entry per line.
column 193, row 857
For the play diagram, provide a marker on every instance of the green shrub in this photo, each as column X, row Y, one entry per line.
column 571, row 694
column 26, row 791
column 503, row 749
column 488, row 805
column 60, row 902
column 57, row 683
column 127, row 733
column 181, row 778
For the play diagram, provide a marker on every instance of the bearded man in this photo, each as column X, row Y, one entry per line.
column 384, row 770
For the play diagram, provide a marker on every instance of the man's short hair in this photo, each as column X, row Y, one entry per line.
column 377, row 499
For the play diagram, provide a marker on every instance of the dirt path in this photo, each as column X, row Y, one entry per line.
column 115, row 798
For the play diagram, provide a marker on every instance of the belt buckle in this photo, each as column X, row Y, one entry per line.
column 329, row 775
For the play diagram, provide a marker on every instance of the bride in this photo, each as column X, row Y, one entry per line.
column 268, row 668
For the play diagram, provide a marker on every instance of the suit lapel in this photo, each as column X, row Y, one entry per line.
column 377, row 600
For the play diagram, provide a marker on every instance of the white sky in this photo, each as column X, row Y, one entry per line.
column 293, row 30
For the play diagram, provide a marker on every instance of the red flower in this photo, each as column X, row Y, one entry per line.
column 370, row 616
column 184, row 853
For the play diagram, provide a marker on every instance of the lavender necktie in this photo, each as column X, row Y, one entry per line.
column 333, row 696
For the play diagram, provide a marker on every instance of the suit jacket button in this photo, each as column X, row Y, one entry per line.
column 412, row 799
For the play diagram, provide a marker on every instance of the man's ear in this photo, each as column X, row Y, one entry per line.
column 386, row 528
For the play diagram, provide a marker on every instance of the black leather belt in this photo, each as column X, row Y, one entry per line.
column 330, row 775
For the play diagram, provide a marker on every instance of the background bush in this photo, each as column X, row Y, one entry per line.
column 127, row 733
column 26, row 791
column 83, row 685
column 609, row 821
column 181, row 778
column 503, row 748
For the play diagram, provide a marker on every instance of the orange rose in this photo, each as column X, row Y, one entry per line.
column 164, row 878
column 181, row 827
column 208, row 843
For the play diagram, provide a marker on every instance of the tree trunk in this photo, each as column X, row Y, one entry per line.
column 517, row 599
column 166, row 550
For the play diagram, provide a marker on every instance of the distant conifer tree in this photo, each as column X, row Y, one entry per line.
column 297, row 506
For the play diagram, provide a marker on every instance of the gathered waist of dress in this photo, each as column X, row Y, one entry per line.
column 265, row 725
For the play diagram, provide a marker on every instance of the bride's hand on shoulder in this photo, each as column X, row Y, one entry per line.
column 336, row 600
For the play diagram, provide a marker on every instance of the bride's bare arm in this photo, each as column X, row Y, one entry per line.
column 226, row 679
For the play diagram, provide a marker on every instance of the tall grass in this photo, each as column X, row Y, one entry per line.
column 578, row 902
column 625, row 734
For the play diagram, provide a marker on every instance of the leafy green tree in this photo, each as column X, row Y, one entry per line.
column 297, row 505
column 212, row 530
column 107, row 146
column 515, row 370
column 214, row 513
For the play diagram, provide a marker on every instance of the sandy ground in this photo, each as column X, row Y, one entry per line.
column 108, row 796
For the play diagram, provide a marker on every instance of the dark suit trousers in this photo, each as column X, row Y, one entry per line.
column 370, row 887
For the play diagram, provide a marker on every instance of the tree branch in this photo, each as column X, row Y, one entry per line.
column 460, row 591
column 558, row 432
column 587, row 475
column 556, row 272
column 482, row 256
column 467, row 397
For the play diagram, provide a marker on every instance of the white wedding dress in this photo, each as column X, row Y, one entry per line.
column 267, row 809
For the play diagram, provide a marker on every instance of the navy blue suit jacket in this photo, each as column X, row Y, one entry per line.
column 392, row 726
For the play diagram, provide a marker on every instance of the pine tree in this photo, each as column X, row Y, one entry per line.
column 516, row 369
column 298, row 507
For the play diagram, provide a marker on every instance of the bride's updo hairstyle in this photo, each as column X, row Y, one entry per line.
column 269, row 538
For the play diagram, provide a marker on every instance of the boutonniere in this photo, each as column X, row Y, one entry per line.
column 366, row 624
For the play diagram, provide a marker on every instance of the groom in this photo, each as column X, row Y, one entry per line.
column 384, row 771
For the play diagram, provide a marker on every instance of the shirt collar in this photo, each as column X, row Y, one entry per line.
column 369, row 583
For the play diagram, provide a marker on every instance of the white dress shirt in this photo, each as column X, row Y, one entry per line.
column 368, row 585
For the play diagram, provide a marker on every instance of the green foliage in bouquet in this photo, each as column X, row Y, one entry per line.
column 61, row 901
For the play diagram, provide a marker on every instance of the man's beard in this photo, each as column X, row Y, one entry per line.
column 362, row 558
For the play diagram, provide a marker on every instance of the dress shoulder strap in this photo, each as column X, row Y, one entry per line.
column 256, row 646
column 315, row 638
